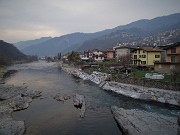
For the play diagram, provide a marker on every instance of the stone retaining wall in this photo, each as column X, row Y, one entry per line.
column 133, row 91
column 144, row 93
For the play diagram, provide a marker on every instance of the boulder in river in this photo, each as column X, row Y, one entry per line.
column 60, row 97
column 20, row 103
column 8, row 126
column 79, row 102
column 32, row 94
column 11, row 127
column 138, row 122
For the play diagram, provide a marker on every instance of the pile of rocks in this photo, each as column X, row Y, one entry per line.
column 14, row 99
column 96, row 77
column 133, row 91
column 79, row 102
column 144, row 93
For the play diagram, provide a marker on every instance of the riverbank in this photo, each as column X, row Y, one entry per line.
column 134, row 121
column 134, row 91
column 12, row 99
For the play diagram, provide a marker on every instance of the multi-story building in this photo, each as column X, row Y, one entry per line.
column 122, row 51
column 146, row 56
column 172, row 59
column 98, row 55
column 93, row 55
column 87, row 56
column 110, row 54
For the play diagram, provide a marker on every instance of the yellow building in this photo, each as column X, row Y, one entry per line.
column 146, row 56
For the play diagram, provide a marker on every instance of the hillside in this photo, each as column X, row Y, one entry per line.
column 60, row 44
column 133, row 32
column 9, row 53
column 24, row 44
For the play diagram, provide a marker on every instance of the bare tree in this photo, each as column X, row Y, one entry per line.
column 124, row 60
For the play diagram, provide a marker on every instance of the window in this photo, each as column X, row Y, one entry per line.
column 143, row 56
column 157, row 56
column 135, row 62
column 173, row 50
column 135, row 57
column 138, row 51
column 135, row 52
column 143, row 62
column 173, row 58
column 139, row 56
column 96, row 56
column 143, row 51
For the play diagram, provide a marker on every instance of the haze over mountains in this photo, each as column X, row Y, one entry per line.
column 100, row 40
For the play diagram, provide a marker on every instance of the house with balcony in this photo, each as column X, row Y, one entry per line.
column 171, row 64
column 87, row 56
column 93, row 55
column 146, row 56
column 98, row 55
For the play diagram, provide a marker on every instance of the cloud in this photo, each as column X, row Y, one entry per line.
column 30, row 32
column 66, row 16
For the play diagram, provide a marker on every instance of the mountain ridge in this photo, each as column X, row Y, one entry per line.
column 77, row 41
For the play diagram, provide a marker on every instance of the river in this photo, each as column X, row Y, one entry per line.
column 47, row 116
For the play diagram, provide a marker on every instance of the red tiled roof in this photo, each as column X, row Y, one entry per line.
column 151, row 49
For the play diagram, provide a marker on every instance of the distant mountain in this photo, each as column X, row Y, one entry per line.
column 61, row 44
column 9, row 52
column 23, row 44
column 104, row 39
column 153, row 25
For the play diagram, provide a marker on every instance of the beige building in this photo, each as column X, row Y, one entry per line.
column 122, row 51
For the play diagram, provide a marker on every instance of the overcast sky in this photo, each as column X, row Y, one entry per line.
column 30, row 19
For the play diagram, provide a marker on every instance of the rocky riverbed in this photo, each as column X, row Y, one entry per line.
column 134, row 121
column 144, row 93
column 14, row 99
column 138, row 122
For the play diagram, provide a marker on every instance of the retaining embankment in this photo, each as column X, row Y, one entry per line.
column 129, row 90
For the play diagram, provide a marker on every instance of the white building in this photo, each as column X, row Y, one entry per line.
column 98, row 55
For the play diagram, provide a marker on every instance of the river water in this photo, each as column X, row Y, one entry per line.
column 47, row 116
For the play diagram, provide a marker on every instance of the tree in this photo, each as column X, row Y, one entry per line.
column 59, row 56
column 74, row 57
column 124, row 60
